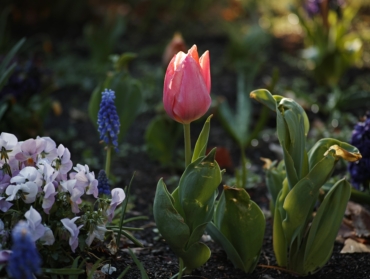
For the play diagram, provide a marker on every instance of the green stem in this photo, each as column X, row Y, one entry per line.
column 187, row 140
column 244, row 167
column 108, row 160
column 181, row 268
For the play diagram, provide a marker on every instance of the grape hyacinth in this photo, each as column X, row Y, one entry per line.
column 24, row 260
column 108, row 121
column 360, row 171
column 103, row 185
column 312, row 7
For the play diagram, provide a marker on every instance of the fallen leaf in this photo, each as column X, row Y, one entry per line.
column 352, row 246
column 360, row 219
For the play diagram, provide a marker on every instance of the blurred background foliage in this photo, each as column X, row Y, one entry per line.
column 71, row 47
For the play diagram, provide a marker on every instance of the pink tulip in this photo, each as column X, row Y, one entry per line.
column 187, row 86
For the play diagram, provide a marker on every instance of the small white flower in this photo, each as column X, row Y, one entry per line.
column 108, row 269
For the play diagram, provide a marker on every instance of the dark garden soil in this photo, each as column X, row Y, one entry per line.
column 156, row 257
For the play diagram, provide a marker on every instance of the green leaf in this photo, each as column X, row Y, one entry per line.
column 197, row 189
column 274, row 180
column 169, row 222
column 3, row 108
column 201, row 144
column 325, row 226
column 196, row 255
column 5, row 62
column 143, row 273
column 6, row 74
column 230, row 250
column 63, row 271
column 242, row 222
column 292, row 126
column 300, row 200
column 237, row 125
column 264, row 97
column 280, row 244
column 173, row 228
column 124, row 272
column 91, row 273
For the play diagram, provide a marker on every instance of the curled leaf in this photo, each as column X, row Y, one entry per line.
column 342, row 153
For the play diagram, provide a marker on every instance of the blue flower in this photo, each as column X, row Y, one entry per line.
column 360, row 171
column 24, row 260
column 103, row 185
column 108, row 121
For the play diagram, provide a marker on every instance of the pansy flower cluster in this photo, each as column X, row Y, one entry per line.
column 40, row 187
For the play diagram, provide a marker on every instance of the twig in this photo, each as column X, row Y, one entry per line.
column 279, row 268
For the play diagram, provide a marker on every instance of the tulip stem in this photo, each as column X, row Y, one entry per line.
column 187, row 140
column 108, row 159
column 244, row 167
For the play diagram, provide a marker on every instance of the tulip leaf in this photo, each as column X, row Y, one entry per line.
column 237, row 125
column 169, row 222
column 177, row 234
column 300, row 200
column 197, row 188
column 274, row 181
column 291, row 173
column 230, row 250
column 196, row 234
column 242, row 222
column 201, row 144
column 197, row 255
column 348, row 152
column 279, row 240
column 325, row 225
column 264, row 97
column 292, row 135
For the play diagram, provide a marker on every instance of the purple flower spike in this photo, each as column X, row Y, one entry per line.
column 108, row 121
column 312, row 7
column 360, row 171
column 103, row 185
column 24, row 260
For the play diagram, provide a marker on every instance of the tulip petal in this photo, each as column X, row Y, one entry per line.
column 193, row 99
column 172, row 83
column 205, row 69
column 177, row 60
column 193, row 52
